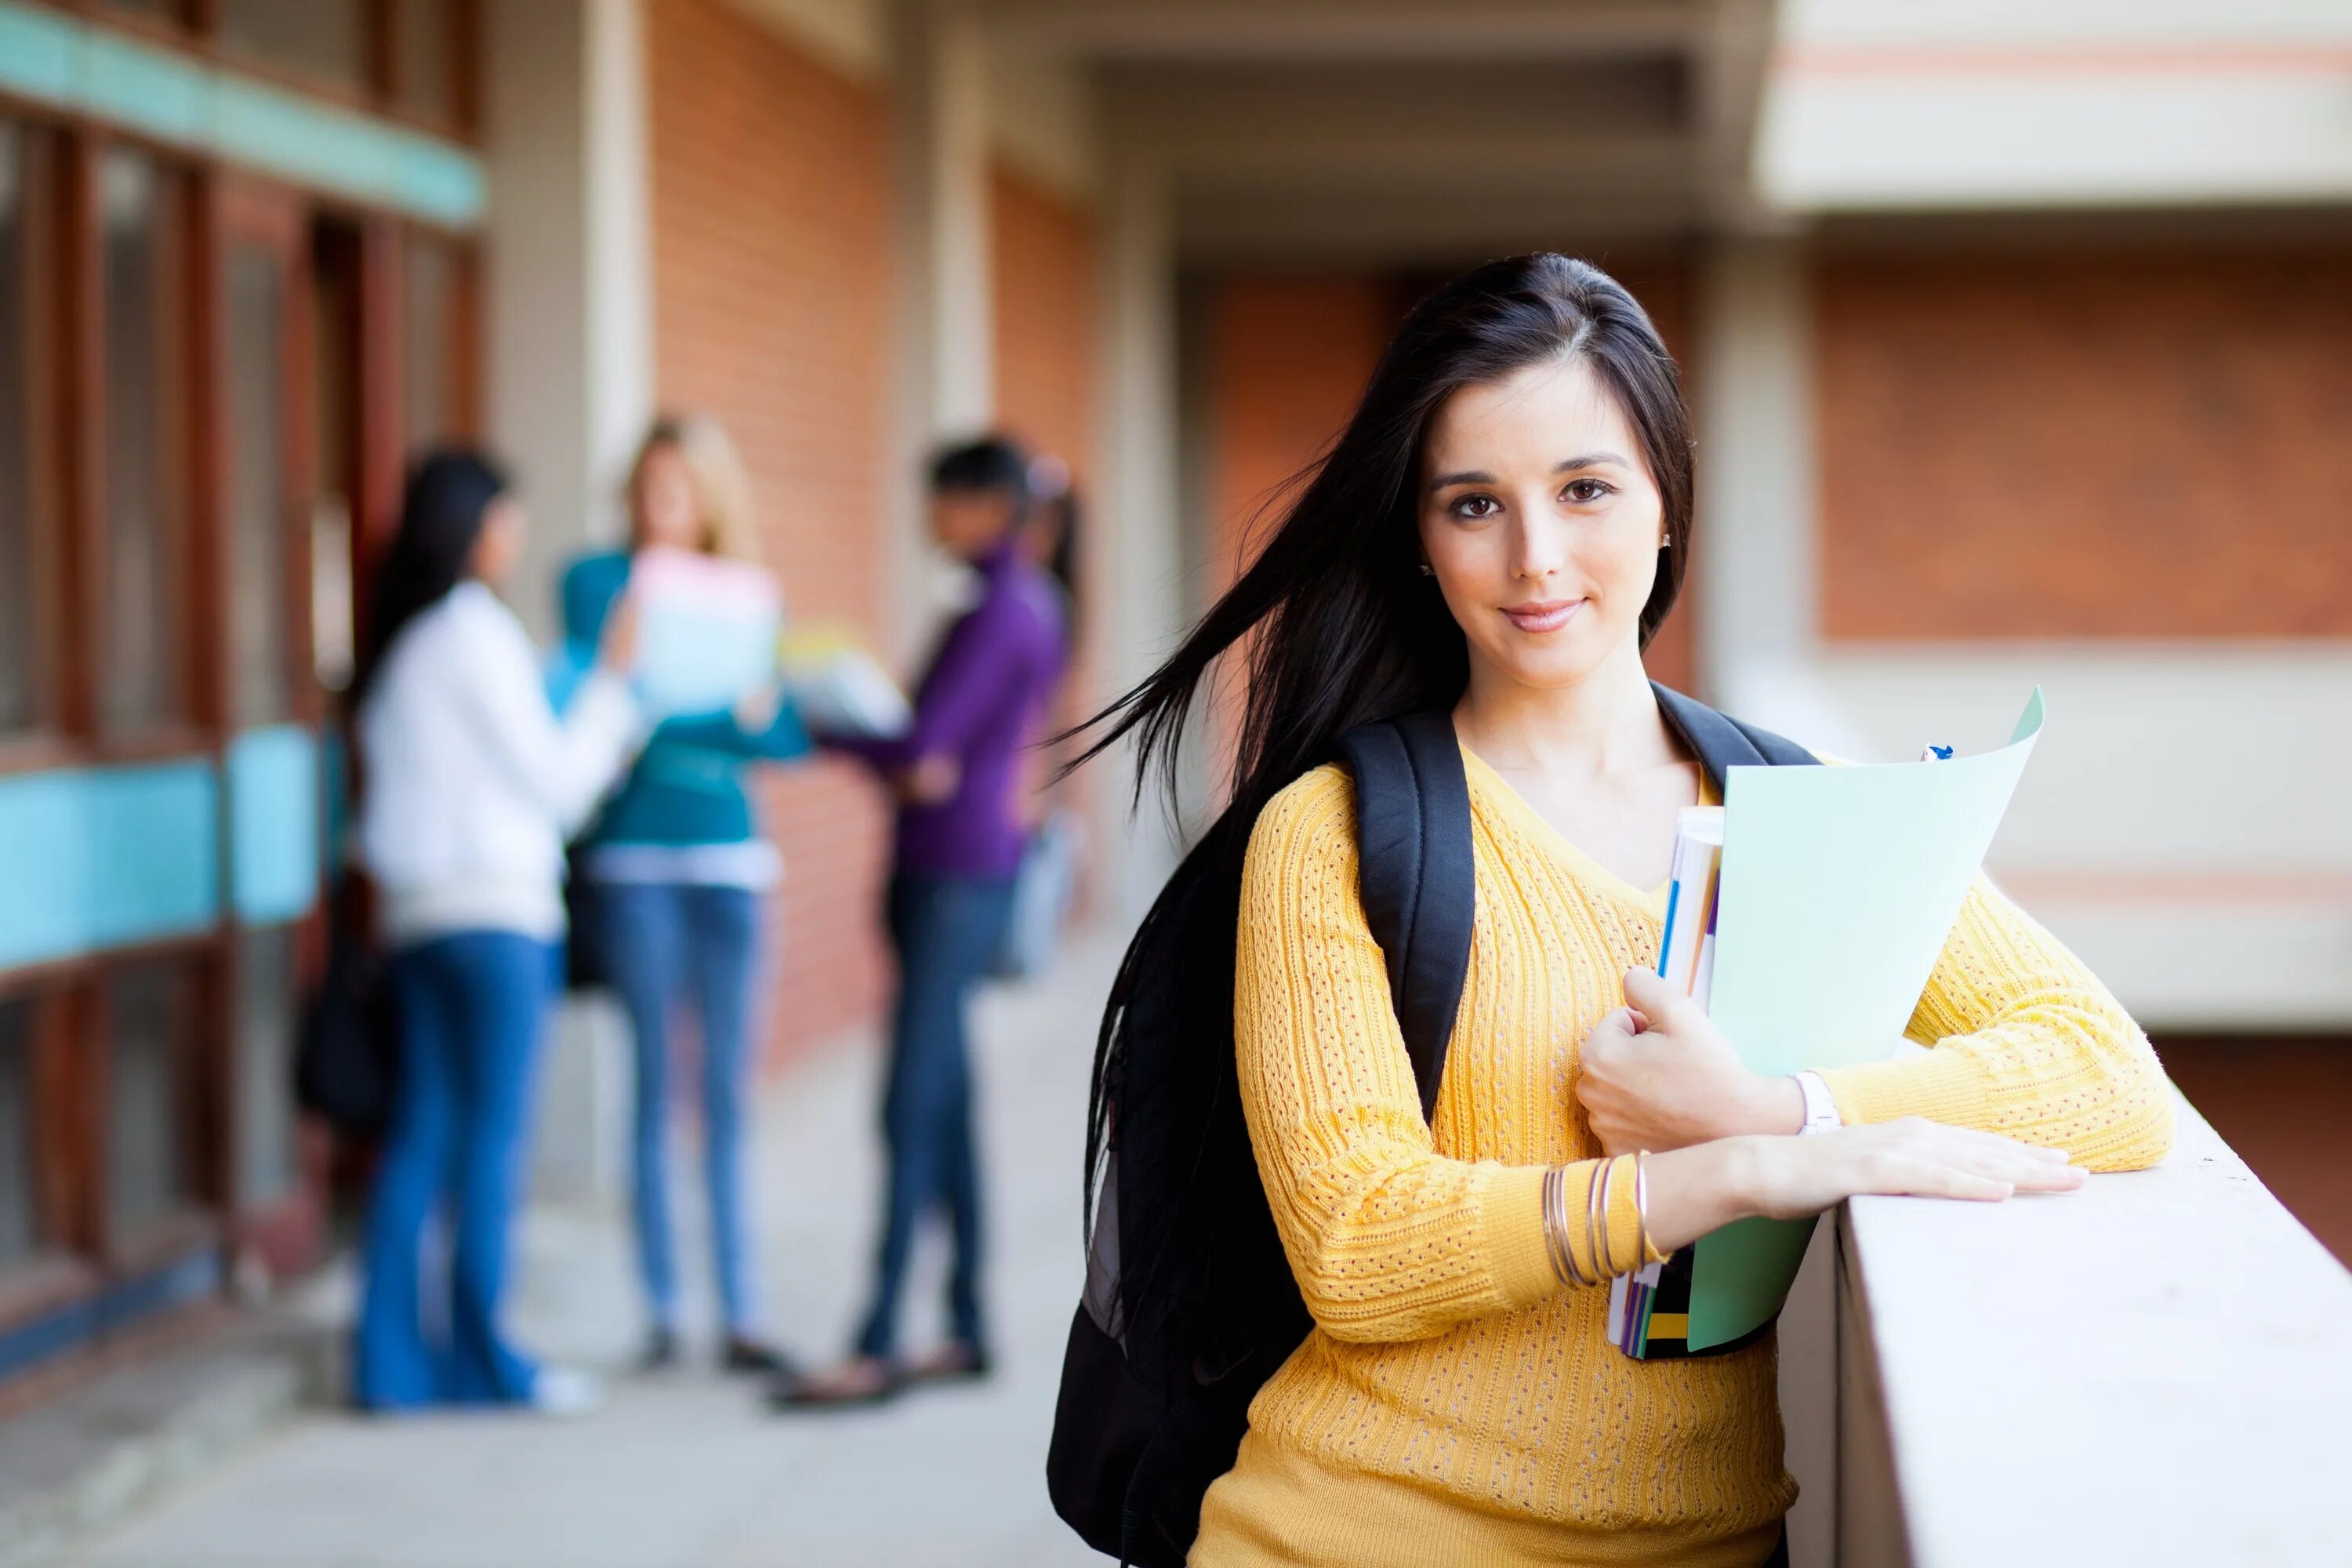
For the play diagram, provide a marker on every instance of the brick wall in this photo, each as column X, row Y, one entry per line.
column 2086, row 445
column 1288, row 356
column 1286, row 359
column 1046, row 267
column 771, row 266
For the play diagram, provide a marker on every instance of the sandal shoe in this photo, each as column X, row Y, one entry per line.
column 859, row 1381
column 751, row 1356
column 957, row 1361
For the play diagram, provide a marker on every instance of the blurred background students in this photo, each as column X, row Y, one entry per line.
column 677, row 872
column 471, row 784
column 959, row 775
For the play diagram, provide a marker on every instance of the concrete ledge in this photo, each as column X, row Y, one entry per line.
column 77, row 1464
column 2156, row 1370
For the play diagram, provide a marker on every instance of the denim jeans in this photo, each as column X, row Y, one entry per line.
column 471, row 1006
column 668, row 944
column 946, row 930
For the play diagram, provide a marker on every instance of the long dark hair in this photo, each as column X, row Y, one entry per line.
column 449, row 491
column 1345, row 632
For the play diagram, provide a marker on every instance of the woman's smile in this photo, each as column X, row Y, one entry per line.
column 1544, row 615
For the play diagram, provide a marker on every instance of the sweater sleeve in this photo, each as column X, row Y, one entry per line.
column 565, row 764
column 2025, row 1042
column 1389, row 1239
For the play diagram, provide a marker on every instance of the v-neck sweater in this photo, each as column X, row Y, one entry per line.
column 1456, row 1404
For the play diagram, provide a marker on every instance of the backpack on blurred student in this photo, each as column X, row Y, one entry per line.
column 347, row 1041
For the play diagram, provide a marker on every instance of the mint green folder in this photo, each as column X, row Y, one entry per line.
column 1839, row 886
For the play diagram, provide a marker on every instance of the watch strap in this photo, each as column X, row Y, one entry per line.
column 1821, row 1108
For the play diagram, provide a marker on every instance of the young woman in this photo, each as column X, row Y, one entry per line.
column 678, row 873
column 471, row 784
column 1497, row 534
column 956, row 847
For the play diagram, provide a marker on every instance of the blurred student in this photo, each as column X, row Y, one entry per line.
column 471, row 784
column 1049, row 534
column 677, row 873
column 1046, row 882
column 958, row 776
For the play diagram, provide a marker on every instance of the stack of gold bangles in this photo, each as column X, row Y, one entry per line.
column 1596, row 1221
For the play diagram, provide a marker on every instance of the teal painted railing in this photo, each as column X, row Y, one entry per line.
column 101, row 858
column 274, row 781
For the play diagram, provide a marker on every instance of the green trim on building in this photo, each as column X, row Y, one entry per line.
column 89, row 69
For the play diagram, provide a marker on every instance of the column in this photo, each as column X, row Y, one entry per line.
column 570, row 303
column 1756, row 542
column 1137, row 575
column 1755, row 534
column 569, row 339
column 945, row 316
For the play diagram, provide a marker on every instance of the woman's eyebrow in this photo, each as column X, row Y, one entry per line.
column 1590, row 460
column 1466, row 477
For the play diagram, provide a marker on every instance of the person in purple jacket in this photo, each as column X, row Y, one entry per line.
column 958, row 776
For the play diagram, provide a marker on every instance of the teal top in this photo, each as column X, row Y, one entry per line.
column 686, row 787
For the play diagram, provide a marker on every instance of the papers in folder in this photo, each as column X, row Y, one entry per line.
column 706, row 631
column 841, row 690
column 1835, row 889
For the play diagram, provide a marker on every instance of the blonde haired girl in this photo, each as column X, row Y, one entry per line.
column 675, row 870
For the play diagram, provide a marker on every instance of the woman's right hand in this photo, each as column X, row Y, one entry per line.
column 1793, row 1177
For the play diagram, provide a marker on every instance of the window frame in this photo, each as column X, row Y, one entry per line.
column 195, row 29
column 61, row 1267
column 189, row 732
column 80, row 1255
column 197, row 1221
column 42, row 743
column 272, row 218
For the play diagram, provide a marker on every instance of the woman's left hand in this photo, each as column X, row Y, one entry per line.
column 1657, row 1074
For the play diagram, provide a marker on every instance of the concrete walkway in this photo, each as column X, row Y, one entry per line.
column 683, row 1470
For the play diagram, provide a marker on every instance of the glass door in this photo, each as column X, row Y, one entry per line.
column 264, row 481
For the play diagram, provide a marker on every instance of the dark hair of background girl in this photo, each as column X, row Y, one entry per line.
column 1347, row 630
column 1069, row 518
column 449, row 491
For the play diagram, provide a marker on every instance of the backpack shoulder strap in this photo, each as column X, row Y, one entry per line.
column 1417, row 877
column 1723, row 743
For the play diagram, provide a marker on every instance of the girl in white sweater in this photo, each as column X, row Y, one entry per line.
column 471, row 785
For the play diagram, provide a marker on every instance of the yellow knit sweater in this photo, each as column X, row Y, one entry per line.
column 1455, row 1404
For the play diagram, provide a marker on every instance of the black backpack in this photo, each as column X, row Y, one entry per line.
column 1155, row 1392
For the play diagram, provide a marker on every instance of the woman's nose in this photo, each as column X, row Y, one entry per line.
column 1538, row 548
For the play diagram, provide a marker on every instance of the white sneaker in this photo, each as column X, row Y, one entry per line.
column 566, row 1390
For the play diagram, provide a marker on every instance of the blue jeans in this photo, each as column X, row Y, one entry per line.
column 668, row 942
column 946, row 930
column 470, row 1006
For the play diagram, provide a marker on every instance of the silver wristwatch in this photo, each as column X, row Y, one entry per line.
column 1821, row 1111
